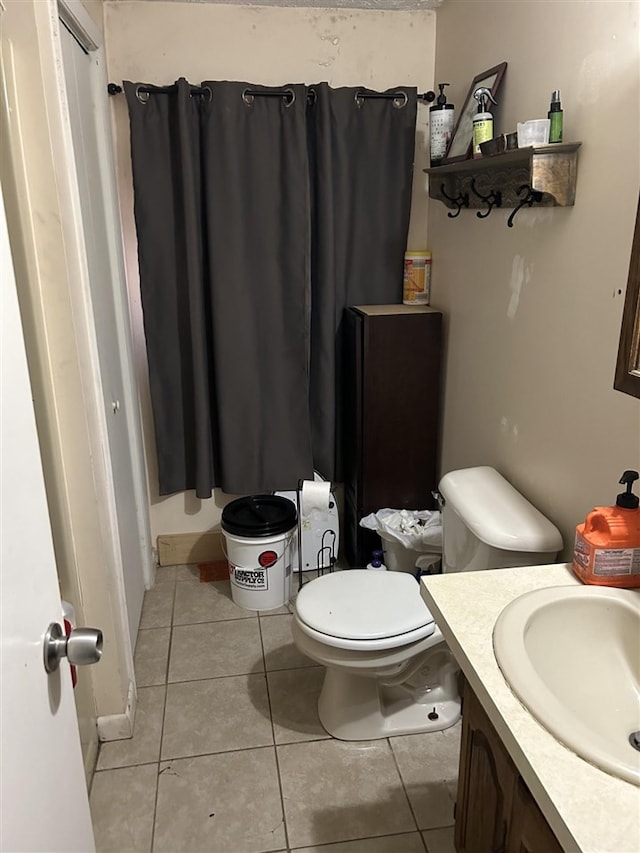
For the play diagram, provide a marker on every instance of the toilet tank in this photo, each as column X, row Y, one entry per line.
column 487, row 524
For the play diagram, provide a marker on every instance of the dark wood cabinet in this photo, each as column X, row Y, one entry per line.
column 495, row 811
column 392, row 371
column 529, row 831
column 485, row 783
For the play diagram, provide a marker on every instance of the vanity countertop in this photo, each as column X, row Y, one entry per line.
column 589, row 810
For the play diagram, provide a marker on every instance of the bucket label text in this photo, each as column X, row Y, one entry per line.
column 257, row 579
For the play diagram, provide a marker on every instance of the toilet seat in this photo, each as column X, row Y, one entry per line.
column 363, row 610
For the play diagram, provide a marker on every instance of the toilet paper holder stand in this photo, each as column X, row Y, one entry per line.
column 320, row 535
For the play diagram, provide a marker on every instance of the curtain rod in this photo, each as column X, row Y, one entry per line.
column 115, row 89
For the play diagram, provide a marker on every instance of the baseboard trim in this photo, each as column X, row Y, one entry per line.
column 90, row 757
column 119, row 726
column 174, row 549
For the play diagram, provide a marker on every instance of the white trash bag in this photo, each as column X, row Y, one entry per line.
column 420, row 530
column 410, row 538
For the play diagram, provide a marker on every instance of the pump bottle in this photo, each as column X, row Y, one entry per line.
column 483, row 119
column 376, row 563
column 607, row 545
column 441, row 120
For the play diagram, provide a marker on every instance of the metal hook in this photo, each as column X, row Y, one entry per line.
column 494, row 199
column 461, row 201
column 530, row 198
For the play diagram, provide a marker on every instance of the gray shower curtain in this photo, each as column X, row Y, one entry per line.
column 259, row 219
column 361, row 152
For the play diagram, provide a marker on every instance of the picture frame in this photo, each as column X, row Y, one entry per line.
column 460, row 146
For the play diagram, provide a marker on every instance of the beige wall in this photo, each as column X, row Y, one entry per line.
column 159, row 42
column 533, row 312
column 95, row 9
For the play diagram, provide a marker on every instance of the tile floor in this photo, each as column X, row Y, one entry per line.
column 228, row 754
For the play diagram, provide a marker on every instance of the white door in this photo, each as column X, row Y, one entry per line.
column 43, row 796
column 103, row 283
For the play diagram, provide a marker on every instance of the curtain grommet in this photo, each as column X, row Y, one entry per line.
column 248, row 98
column 400, row 100
column 289, row 97
column 209, row 94
column 143, row 97
column 359, row 99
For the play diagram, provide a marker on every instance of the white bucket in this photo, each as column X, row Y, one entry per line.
column 259, row 564
column 257, row 587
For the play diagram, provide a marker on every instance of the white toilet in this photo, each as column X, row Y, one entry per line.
column 389, row 671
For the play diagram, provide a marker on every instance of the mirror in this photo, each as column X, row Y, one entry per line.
column 627, row 377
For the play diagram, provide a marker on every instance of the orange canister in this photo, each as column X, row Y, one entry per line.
column 607, row 545
column 416, row 286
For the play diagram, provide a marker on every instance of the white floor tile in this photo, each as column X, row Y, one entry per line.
column 220, row 803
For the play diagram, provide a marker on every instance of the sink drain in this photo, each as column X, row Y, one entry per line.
column 634, row 740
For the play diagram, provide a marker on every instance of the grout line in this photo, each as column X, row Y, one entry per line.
column 164, row 711
column 363, row 838
column 424, row 840
column 202, row 622
column 402, row 782
column 235, row 675
column 232, row 751
column 273, row 735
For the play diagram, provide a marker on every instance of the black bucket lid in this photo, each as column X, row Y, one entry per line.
column 259, row 515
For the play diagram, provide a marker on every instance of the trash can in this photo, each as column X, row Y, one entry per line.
column 411, row 539
column 400, row 558
column 258, row 532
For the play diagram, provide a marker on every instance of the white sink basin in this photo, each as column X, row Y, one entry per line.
column 572, row 656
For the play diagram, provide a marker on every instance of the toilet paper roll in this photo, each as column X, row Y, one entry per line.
column 314, row 495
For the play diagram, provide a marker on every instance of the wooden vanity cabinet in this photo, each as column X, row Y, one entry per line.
column 529, row 831
column 495, row 812
column 485, row 783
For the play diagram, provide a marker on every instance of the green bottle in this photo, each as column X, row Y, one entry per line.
column 555, row 117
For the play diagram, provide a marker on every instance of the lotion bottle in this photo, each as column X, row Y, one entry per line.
column 441, row 120
column 483, row 119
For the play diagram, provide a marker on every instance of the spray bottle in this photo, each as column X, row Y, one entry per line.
column 483, row 120
column 555, row 117
column 607, row 545
column 441, row 119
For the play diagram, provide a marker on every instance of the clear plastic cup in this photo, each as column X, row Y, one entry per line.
column 534, row 132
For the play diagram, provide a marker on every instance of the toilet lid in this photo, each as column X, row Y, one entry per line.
column 357, row 604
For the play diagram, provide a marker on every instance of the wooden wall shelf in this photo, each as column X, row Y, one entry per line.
column 544, row 175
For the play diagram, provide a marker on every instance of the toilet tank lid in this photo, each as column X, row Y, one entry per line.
column 496, row 513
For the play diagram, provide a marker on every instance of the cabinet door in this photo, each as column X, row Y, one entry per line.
column 486, row 784
column 529, row 831
column 390, row 415
column 401, row 361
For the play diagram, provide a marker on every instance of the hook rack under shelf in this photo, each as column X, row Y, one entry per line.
column 548, row 172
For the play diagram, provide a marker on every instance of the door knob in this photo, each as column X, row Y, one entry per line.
column 82, row 646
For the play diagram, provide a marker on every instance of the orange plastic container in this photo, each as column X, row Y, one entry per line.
column 607, row 546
